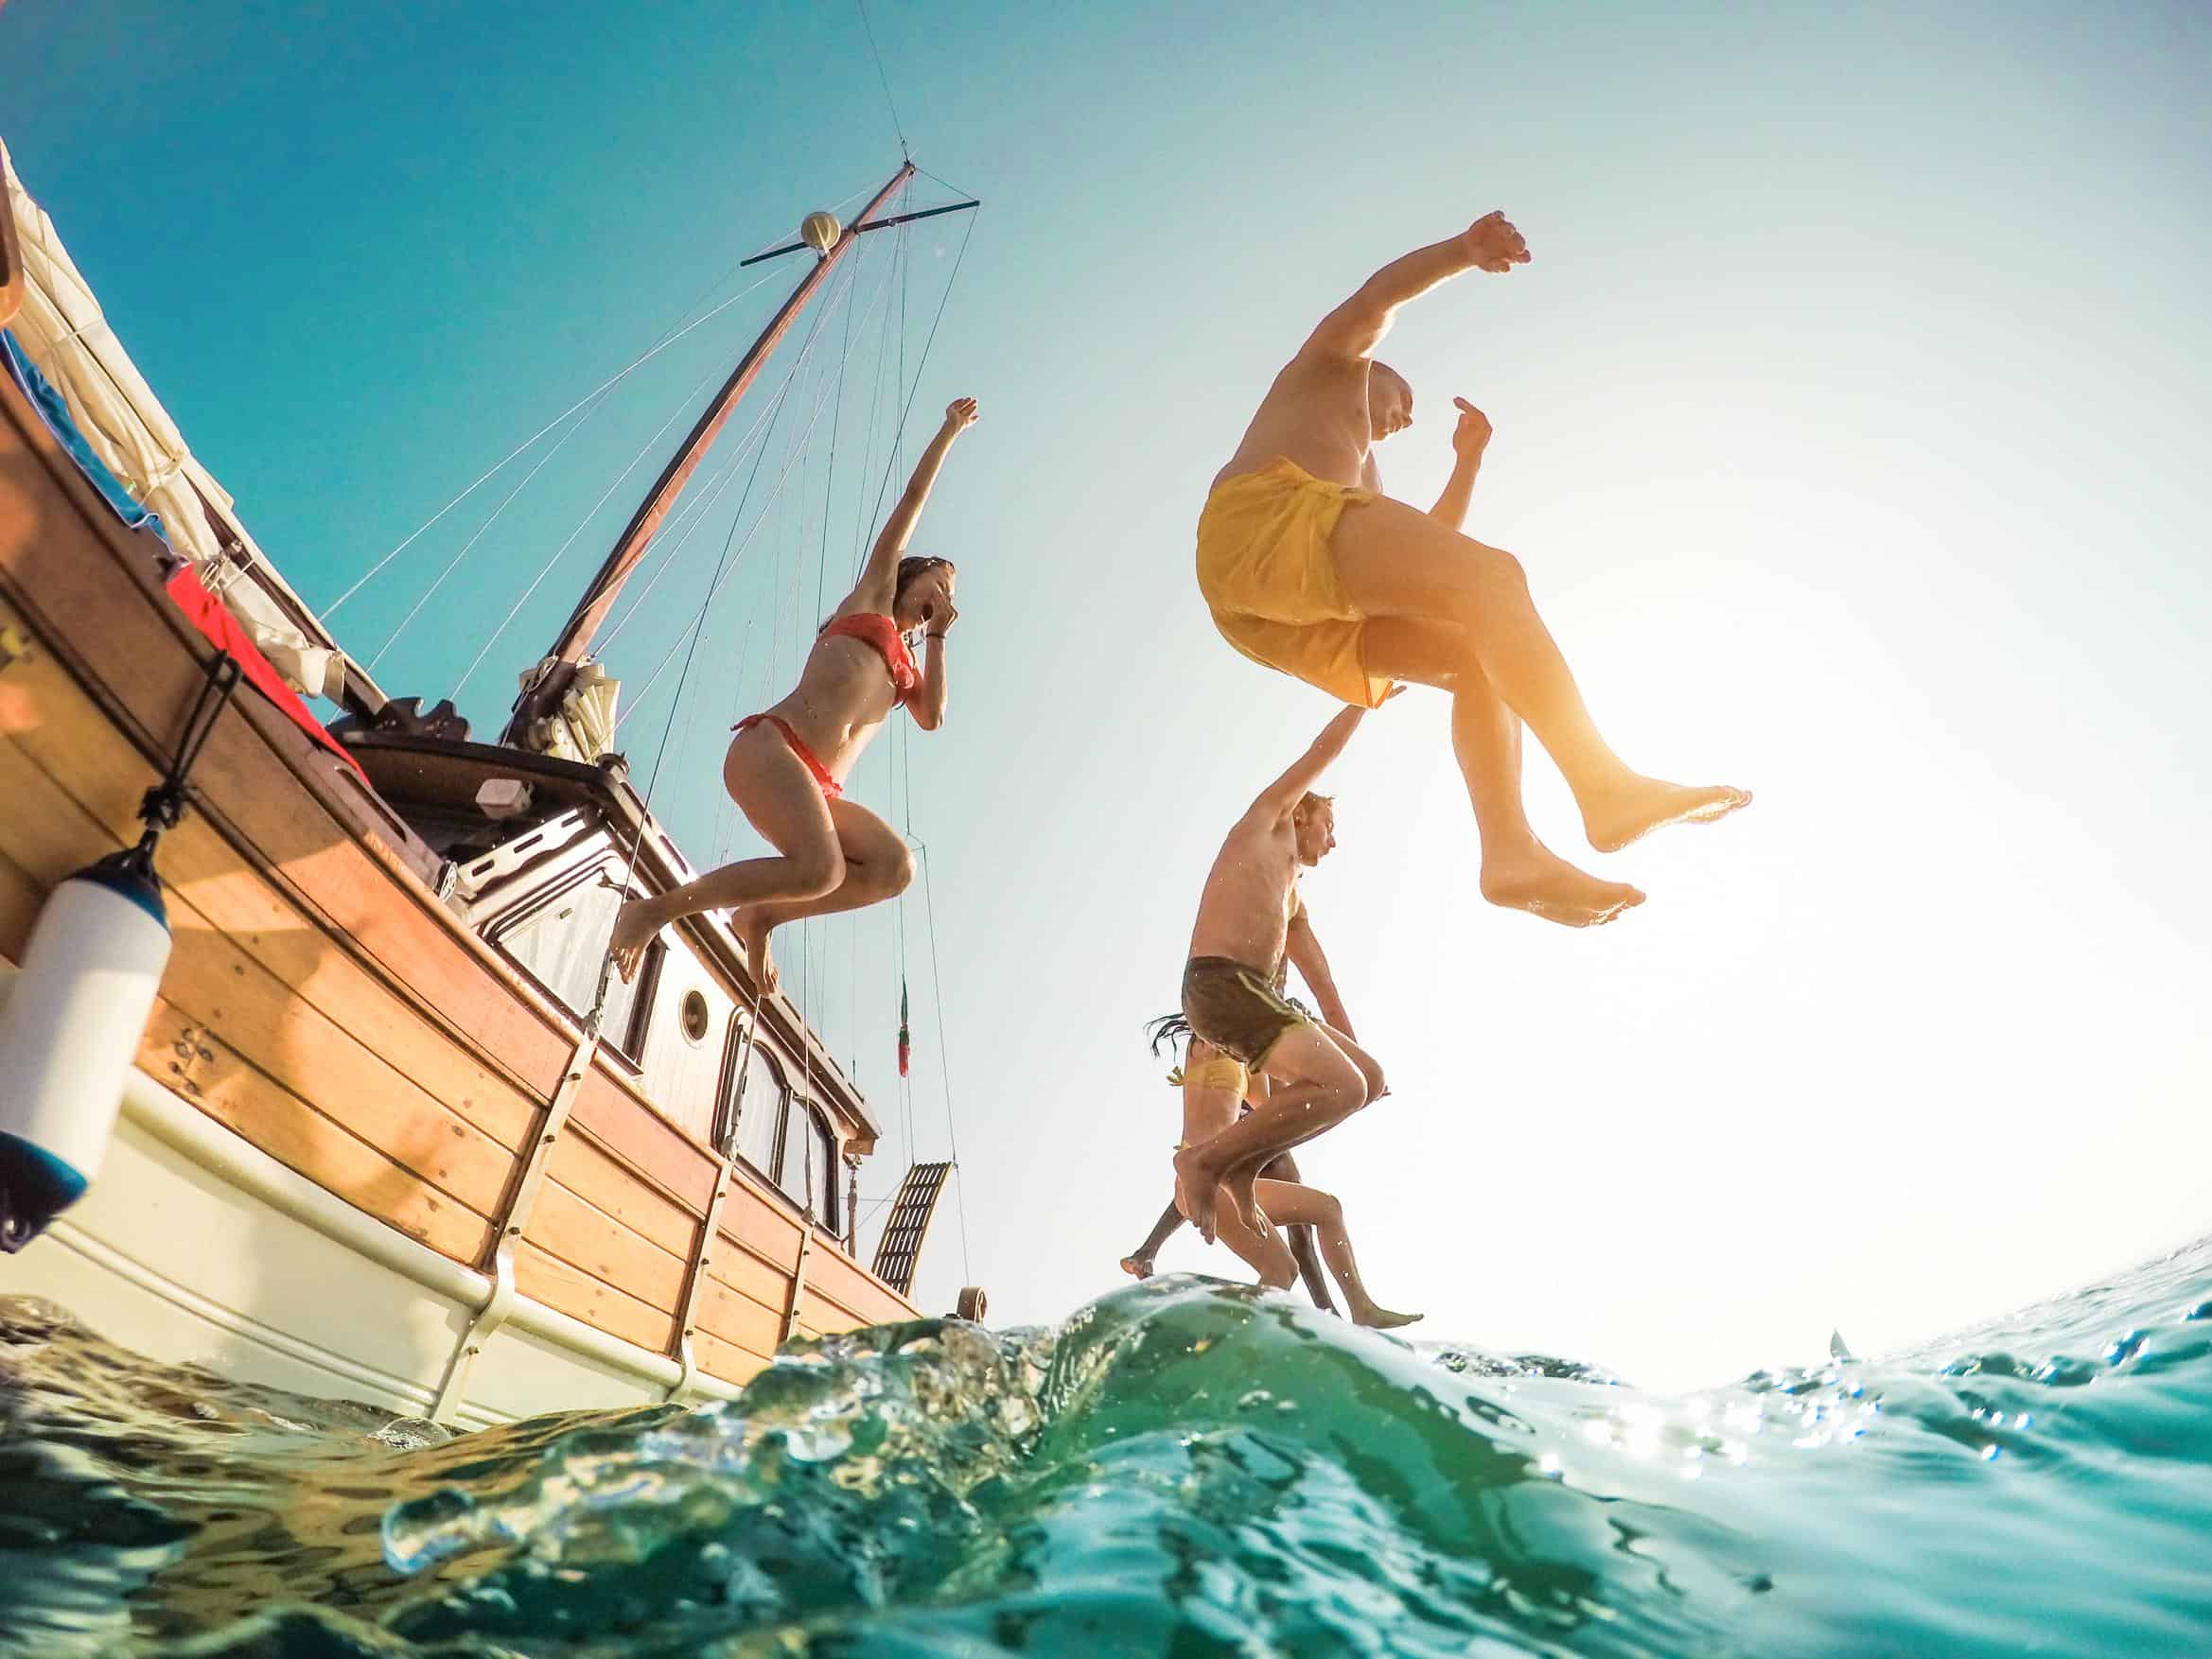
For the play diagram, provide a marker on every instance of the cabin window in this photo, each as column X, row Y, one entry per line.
column 695, row 1018
column 774, row 1133
column 792, row 1157
column 809, row 1160
column 561, row 941
column 629, row 1015
column 755, row 1116
column 825, row 1167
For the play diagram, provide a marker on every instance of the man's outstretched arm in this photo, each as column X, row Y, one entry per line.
column 1355, row 329
column 1308, row 957
column 1469, row 440
column 1280, row 796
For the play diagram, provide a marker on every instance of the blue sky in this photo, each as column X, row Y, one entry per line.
column 1849, row 421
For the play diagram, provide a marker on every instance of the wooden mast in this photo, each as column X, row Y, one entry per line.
column 546, row 694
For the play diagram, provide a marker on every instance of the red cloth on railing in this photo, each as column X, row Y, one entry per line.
column 213, row 619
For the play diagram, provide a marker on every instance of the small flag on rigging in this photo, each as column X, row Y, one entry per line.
column 906, row 1031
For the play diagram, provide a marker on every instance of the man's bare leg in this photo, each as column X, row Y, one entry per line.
column 1396, row 562
column 878, row 865
column 781, row 797
column 1520, row 872
column 1138, row 1263
column 1315, row 1086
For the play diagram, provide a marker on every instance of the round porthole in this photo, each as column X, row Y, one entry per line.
column 694, row 1017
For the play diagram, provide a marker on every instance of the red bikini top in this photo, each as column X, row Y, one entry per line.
column 874, row 628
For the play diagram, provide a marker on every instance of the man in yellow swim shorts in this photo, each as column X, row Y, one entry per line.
column 1310, row 570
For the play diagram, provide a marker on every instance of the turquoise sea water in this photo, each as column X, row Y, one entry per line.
column 1180, row 1469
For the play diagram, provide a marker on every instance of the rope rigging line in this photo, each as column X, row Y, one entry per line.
column 493, row 471
column 850, row 278
column 669, row 544
column 944, row 1063
column 939, row 178
column 662, row 554
column 736, row 519
column 905, row 1082
column 875, row 399
column 721, row 569
column 592, row 512
column 829, row 482
column 725, row 836
column 915, row 387
column 877, row 54
column 843, row 363
column 759, row 456
column 666, row 546
column 697, row 630
column 454, row 564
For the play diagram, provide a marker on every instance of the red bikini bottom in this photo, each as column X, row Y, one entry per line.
column 832, row 789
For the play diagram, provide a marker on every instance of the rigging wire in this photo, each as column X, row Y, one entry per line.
column 605, row 386
column 972, row 195
column 877, row 53
column 907, row 406
column 944, row 1064
column 721, row 569
column 589, row 514
column 454, row 564
column 726, row 475
column 667, row 545
column 698, row 628
column 699, row 508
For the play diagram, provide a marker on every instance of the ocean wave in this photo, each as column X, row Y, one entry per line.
column 1183, row 1467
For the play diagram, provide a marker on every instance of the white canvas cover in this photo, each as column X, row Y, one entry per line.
column 61, row 328
column 582, row 728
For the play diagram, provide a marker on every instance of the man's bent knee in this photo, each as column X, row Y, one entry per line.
column 1497, row 564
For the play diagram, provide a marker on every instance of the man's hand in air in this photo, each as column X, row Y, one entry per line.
column 1472, row 435
column 1492, row 244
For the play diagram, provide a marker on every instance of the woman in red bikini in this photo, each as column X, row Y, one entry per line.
column 786, row 764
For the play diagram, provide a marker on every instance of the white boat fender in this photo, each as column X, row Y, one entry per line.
column 70, row 1031
column 77, row 1009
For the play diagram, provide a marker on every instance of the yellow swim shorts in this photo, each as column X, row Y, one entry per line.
column 1266, row 570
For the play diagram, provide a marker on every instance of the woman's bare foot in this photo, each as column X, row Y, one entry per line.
column 1137, row 1266
column 1538, row 880
column 752, row 929
column 1381, row 1318
column 634, row 928
column 1633, row 809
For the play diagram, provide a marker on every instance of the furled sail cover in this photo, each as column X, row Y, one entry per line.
column 63, row 329
column 582, row 728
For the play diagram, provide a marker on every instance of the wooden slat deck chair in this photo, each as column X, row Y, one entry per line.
column 900, row 1246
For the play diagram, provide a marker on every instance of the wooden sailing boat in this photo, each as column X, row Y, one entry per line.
column 381, row 1138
